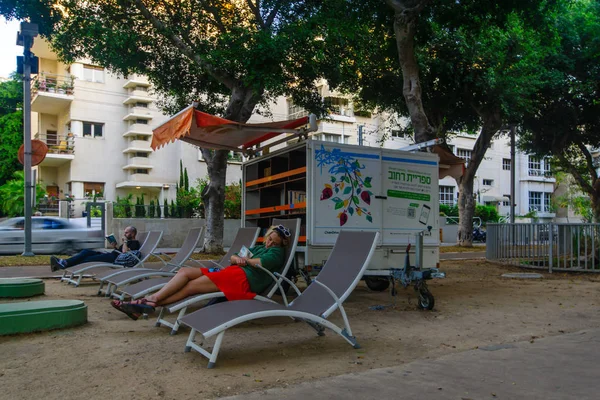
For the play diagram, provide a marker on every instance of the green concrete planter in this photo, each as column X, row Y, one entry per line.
column 19, row 287
column 34, row 316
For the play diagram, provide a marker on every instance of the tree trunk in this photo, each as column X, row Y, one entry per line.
column 595, row 199
column 213, row 197
column 241, row 105
column 466, row 211
column 492, row 122
column 405, row 21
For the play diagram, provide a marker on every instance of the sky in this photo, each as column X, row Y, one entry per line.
column 8, row 47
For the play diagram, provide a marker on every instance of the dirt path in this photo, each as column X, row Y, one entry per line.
column 113, row 356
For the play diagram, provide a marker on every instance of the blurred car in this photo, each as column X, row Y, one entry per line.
column 49, row 235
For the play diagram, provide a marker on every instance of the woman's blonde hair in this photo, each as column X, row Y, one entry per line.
column 284, row 241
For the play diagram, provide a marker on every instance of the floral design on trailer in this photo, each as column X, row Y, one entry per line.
column 348, row 189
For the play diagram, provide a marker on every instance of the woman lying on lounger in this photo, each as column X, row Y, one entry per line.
column 239, row 281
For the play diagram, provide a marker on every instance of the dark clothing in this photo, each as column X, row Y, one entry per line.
column 131, row 244
column 99, row 256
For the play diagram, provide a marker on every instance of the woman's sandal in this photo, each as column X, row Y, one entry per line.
column 134, row 309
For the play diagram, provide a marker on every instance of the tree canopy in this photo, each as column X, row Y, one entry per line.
column 567, row 121
column 11, row 126
column 462, row 66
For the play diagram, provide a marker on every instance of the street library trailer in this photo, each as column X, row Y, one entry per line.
column 332, row 186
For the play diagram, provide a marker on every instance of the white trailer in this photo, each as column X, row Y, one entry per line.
column 333, row 186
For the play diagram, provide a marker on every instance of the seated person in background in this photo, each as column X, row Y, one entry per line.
column 129, row 243
column 239, row 281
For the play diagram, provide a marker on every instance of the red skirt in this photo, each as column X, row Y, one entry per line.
column 232, row 281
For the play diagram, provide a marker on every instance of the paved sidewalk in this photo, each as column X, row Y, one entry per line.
column 559, row 367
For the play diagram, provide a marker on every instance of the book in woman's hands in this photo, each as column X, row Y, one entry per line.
column 111, row 239
column 245, row 253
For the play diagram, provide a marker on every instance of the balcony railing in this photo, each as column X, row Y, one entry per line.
column 57, row 144
column 539, row 172
column 53, row 83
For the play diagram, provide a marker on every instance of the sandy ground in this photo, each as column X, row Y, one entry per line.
column 115, row 357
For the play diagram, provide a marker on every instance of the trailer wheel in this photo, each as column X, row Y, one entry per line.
column 377, row 284
column 426, row 300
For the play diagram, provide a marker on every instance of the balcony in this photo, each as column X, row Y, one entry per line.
column 138, row 97
column 138, row 146
column 51, row 93
column 135, row 113
column 138, row 163
column 138, row 130
column 61, row 149
column 135, row 81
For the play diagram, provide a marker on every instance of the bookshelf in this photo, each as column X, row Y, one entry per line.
column 275, row 187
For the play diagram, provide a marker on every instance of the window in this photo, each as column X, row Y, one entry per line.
column 93, row 129
column 539, row 201
column 535, row 201
column 295, row 111
column 93, row 73
column 505, row 203
column 547, row 170
column 140, row 154
column 465, row 154
column 447, row 195
column 535, row 166
column 547, row 202
column 91, row 188
column 506, row 164
column 488, row 182
column 140, row 171
column 328, row 137
column 141, row 88
column 338, row 106
column 143, row 138
column 141, row 121
column 397, row 133
column 141, row 104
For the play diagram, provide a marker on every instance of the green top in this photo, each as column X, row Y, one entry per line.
column 271, row 259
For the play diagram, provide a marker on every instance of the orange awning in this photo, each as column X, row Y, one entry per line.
column 211, row 132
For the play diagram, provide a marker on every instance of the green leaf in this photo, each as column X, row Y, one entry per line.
column 339, row 204
column 355, row 199
column 347, row 190
column 369, row 218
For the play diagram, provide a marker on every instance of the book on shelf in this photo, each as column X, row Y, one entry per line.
column 295, row 197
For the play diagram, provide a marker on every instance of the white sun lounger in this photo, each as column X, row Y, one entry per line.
column 338, row 278
column 118, row 279
column 292, row 224
column 76, row 273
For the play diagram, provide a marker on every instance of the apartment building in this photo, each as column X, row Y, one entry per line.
column 98, row 127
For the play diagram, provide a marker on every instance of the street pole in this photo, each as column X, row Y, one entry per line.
column 512, row 174
column 25, row 39
column 360, row 135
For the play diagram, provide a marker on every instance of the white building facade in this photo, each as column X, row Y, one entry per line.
column 98, row 127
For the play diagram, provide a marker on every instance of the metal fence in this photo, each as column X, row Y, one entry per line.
column 549, row 246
